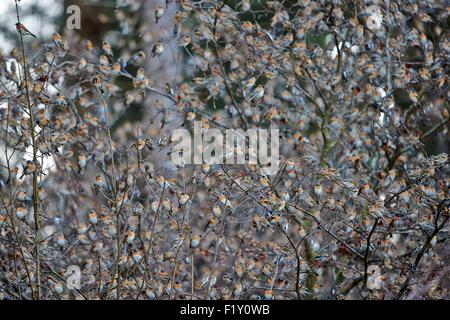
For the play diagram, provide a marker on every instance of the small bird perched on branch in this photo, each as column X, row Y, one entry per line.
column 159, row 12
column 28, row 169
column 23, row 30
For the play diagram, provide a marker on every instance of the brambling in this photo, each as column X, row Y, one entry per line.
column 81, row 64
column 190, row 117
column 22, row 196
column 168, row 88
column 129, row 236
column 258, row 93
column 183, row 198
column 49, row 57
column 139, row 144
column 92, row 217
column 178, row 241
column 88, row 45
column 268, row 294
column 155, row 206
column 205, row 168
column 178, row 287
column 158, row 49
column 21, row 213
column 82, row 228
column 211, row 223
column 138, row 58
column 103, row 60
column 58, row 41
column 83, row 239
column 195, row 241
column 12, row 174
column 60, row 100
column 162, row 182
column 99, row 182
column 137, row 256
column 81, row 162
column 111, row 230
column 185, row 41
column 217, row 212
column 43, row 147
column 237, row 289
column 150, row 294
column 106, row 46
column 41, row 193
column 167, row 204
column 23, row 30
column 61, row 240
column 116, row 68
column 248, row 85
column 58, row 287
column 159, row 12
column 223, row 199
column 28, row 169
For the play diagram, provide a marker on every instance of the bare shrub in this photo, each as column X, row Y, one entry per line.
column 93, row 208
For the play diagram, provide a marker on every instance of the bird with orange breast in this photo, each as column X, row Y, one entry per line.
column 23, row 30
